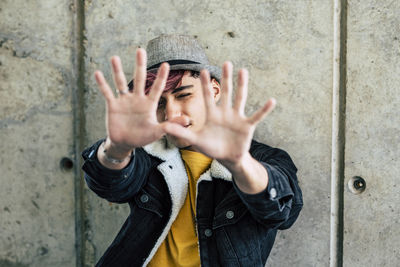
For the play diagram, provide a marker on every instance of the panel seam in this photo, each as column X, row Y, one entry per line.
column 78, row 94
column 338, row 131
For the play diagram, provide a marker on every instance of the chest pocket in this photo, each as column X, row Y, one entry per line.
column 229, row 212
column 148, row 199
column 235, row 231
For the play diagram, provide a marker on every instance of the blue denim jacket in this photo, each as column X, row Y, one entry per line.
column 234, row 228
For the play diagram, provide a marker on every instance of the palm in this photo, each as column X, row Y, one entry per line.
column 225, row 137
column 131, row 120
column 227, row 133
column 131, row 117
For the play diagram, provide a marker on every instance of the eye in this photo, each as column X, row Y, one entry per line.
column 183, row 95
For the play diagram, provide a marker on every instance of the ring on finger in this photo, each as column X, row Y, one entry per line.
column 123, row 92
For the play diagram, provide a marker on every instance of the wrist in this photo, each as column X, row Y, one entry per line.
column 240, row 164
column 249, row 175
column 114, row 150
column 115, row 156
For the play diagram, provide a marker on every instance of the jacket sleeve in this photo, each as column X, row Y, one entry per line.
column 279, row 205
column 115, row 185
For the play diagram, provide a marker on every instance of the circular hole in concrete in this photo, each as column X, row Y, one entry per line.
column 356, row 185
column 66, row 164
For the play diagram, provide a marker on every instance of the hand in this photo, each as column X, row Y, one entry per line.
column 131, row 119
column 227, row 133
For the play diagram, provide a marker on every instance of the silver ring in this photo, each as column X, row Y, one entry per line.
column 123, row 92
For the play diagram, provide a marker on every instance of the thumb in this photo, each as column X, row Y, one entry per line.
column 181, row 120
column 179, row 131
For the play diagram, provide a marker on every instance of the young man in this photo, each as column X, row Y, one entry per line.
column 201, row 191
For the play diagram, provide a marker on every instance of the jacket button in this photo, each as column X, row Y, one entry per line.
column 229, row 214
column 144, row 198
column 208, row 232
column 272, row 192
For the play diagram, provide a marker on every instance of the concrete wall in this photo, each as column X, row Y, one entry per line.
column 371, row 219
column 37, row 206
column 290, row 36
column 49, row 111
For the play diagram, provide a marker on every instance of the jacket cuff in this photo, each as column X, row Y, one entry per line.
column 278, row 192
column 104, row 175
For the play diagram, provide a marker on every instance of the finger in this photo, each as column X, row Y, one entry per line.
column 226, row 96
column 181, row 120
column 159, row 84
column 207, row 90
column 241, row 93
column 158, row 132
column 140, row 71
column 179, row 131
column 261, row 113
column 118, row 74
column 103, row 86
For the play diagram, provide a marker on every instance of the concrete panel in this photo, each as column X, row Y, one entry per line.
column 287, row 47
column 371, row 219
column 37, row 222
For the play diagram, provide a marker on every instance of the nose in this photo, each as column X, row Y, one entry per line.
column 172, row 111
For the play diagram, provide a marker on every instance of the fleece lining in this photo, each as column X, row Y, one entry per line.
column 174, row 172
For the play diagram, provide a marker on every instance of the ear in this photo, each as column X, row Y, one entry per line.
column 216, row 89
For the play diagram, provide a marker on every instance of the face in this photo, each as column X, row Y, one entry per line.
column 185, row 105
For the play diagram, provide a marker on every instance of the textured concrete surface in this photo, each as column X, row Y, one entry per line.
column 371, row 219
column 287, row 48
column 37, row 225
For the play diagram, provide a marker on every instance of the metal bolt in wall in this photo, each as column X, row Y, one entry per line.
column 356, row 185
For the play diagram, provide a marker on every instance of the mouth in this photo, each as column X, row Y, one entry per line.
column 188, row 125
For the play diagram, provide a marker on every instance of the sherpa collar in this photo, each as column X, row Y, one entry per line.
column 165, row 151
column 175, row 175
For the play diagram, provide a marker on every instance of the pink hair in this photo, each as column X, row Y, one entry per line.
column 174, row 78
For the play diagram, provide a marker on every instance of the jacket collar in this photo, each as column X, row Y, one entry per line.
column 175, row 175
column 166, row 151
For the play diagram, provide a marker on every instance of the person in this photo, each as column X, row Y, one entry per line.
column 201, row 191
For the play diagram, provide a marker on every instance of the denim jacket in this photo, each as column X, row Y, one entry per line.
column 233, row 228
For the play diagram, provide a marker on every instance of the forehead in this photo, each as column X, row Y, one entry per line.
column 187, row 79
